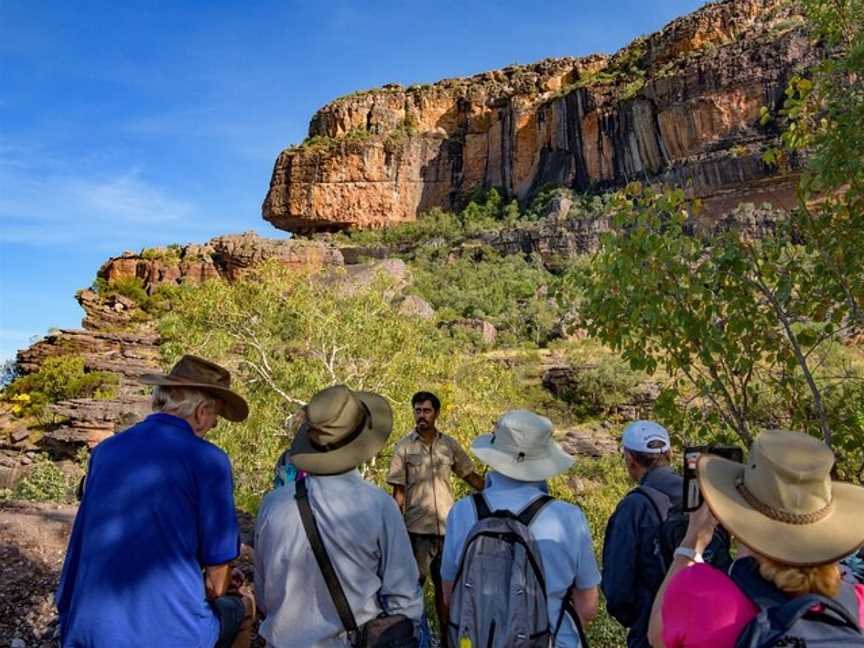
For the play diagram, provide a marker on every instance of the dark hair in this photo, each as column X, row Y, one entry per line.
column 651, row 460
column 423, row 396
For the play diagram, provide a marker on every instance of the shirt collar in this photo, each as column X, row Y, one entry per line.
column 415, row 435
column 657, row 474
column 169, row 419
column 350, row 476
column 497, row 481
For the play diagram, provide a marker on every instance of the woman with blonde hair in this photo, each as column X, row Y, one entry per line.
column 792, row 525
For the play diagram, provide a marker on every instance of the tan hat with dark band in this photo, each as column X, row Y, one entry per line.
column 782, row 502
column 342, row 429
column 197, row 373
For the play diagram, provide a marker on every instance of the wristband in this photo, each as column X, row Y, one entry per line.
column 687, row 552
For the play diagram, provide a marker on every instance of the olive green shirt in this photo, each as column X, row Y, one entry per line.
column 424, row 471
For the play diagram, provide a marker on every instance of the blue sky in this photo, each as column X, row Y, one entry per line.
column 131, row 124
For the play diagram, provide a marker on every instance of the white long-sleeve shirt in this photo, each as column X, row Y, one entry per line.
column 365, row 537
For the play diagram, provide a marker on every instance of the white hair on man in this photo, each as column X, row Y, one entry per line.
column 180, row 401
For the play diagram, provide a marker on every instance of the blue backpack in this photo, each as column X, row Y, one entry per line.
column 793, row 622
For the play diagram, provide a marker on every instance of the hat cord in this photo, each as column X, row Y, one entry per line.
column 798, row 519
column 344, row 441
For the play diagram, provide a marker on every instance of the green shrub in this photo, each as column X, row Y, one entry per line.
column 131, row 287
column 45, row 482
column 599, row 388
column 514, row 293
column 59, row 378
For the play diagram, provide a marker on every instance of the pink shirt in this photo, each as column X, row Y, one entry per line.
column 703, row 608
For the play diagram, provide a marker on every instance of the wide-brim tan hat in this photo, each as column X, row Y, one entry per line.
column 782, row 502
column 522, row 447
column 197, row 373
column 342, row 429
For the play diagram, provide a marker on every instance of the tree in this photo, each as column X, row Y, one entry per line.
column 736, row 321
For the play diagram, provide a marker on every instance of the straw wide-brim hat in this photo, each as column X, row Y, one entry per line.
column 782, row 503
column 197, row 373
column 342, row 429
column 522, row 447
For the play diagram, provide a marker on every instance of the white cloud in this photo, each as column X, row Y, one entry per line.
column 48, row 202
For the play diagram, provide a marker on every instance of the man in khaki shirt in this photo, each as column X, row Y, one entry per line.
column 420, row 476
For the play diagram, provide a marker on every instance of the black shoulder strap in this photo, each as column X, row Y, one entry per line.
column 568, row 608
column 481, row 506
column 527, row 515
column 649, row 494
column 323, row 560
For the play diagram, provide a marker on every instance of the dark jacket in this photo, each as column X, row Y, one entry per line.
column 631, row 572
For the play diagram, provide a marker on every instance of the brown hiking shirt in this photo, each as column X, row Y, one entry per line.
column 424, row 471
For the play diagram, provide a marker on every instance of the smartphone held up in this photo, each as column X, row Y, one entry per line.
column 692, row 495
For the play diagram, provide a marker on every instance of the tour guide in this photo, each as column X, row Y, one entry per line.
column 420, row 476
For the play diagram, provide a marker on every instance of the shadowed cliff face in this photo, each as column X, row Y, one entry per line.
column 680, row 106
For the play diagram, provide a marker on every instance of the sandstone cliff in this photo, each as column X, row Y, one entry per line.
column 679, row 106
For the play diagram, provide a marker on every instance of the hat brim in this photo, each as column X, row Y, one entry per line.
column 836, row 536
column 364, row 447
column 234, row 409
column 555, row 462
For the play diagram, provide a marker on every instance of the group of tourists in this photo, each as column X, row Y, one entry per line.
column 340, row 562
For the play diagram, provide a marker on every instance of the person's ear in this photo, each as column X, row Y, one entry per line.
column 201, row 413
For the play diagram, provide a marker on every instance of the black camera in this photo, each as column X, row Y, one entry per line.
column 692, row 495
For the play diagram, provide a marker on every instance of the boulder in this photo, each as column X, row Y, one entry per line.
column 414, row 306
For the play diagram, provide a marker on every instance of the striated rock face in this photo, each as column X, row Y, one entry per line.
column 126, row 354
column 680, row 106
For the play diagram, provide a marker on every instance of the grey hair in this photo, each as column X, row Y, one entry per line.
column 180, row 401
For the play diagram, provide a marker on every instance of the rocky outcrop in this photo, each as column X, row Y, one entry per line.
column 127, row 354
column 120, row 338
column 225, row 257
column 681, row 106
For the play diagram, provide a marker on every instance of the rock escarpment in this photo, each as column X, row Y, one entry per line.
column 681, row 106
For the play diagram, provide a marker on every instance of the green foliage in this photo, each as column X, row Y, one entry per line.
column 745, row 329
column 131, row 287
column 482, row 211
column 150, row 305
column 601, row 382
column 59, row 378
column 45, row 482
column 169, row 255
column 727, row 316
column 515, row 293
column 626, row 68
column 285, row 336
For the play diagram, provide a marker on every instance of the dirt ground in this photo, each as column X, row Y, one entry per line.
column 32, row 545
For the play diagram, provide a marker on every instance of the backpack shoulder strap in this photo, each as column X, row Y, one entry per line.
column 331, row 578
column 527, row 515
column 659, row 501
column 788, row 614
column 481, row 506
column 567, row 608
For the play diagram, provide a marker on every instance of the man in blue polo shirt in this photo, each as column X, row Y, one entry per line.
column 148, row 558
column 522, row 454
